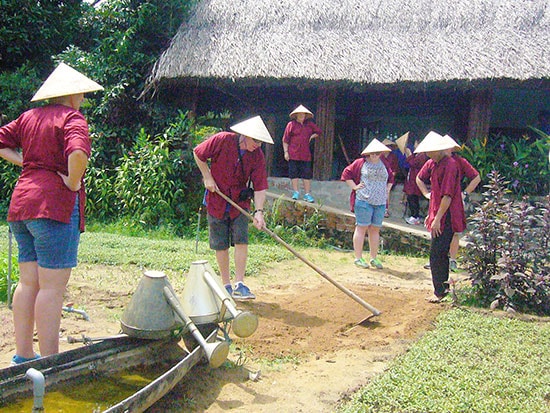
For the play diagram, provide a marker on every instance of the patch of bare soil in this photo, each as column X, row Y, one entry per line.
column 314, row 344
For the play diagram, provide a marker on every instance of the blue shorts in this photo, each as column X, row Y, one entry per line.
column 52, row 244
column 226, row 232
column 300, row 169
column 367, row 214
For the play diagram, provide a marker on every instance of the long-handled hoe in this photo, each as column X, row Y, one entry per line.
column 345, row 290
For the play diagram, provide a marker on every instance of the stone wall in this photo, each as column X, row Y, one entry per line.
column 337, row 226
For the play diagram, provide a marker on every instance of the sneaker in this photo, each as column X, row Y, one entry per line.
column 427, row 266
column 453, row 266
column 16, row 360
column 308, row 198
column 375, row 262
column 412, row 221
column 229, row 289
column 242, row 292
column 360, row 262
column 295, row 195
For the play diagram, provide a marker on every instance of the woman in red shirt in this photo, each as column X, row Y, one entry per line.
column 46, row 213
column 299, row 133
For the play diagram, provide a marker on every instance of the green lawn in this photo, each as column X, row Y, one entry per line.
column 470, row 363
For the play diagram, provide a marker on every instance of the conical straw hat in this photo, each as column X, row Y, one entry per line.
column 456, row 146
column 253, row 128
column 388, row 142
column 375, row 146
column 434, row 142
column 402, row 142
column 301, row 109
column 64, row 81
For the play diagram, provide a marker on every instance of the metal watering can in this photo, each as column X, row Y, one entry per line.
column 206, row 300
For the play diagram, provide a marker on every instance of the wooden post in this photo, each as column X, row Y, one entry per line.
column 479, row 118
column 324, row 118
column 269, row 150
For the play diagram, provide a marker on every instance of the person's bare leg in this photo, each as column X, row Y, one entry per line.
column 359, row 240
column 374, row 240
column 222, row 257
column 23, row 308
column 48, row 307
column 307, row 186
column 295, row 182
column 453, row 249
column 241, row 254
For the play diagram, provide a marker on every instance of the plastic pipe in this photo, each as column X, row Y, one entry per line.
column 38, row 383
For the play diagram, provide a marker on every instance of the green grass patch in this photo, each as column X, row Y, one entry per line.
column 174, row 254
column 469, row 363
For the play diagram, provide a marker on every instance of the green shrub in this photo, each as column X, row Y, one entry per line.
column 524, row 162
column 507, row 255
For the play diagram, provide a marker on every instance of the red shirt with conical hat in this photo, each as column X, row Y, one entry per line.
column 353, row 172
column 47, row 136
column 444, row 177
column 225, row 166
column 297, row 136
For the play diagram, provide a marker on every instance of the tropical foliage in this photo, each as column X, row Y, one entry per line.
column 523, row 162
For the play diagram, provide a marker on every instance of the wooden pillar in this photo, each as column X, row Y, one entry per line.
column 479, row 118
column 269, row 150
column 324, row 118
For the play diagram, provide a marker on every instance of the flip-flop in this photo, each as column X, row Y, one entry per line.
column 434, row 299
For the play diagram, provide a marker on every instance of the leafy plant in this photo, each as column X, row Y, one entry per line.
column 4, row 276
column 507, row 255
column 524, row 162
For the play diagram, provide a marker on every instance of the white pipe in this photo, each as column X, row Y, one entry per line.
column 38, row 383
column 71, row 309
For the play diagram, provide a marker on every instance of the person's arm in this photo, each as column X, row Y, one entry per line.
column 423, row 188
column 11, row 155
column 351, row 183
column 77, row 163
column 207, row 178
column 285, row 148
column 443, row 207
column 259, row 201
column 471, row 187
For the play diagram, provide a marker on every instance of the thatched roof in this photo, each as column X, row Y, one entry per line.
column 361, row 41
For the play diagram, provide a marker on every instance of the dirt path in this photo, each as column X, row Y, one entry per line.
column 309, row 353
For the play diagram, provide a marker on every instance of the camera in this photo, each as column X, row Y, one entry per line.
column 246, row 194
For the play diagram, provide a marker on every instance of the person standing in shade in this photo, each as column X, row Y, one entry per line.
column 446, row 209
column 370, row 181
column 299, row 133
column 46, row 212
column 236, row 163
column 416, row 162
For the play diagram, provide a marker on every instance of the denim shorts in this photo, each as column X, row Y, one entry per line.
column 367, row 214
column 52, row 244
column 226, row 231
